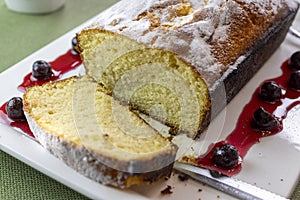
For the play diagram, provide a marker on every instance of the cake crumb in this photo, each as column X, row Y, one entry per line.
column 167, row 190
column 183, row 177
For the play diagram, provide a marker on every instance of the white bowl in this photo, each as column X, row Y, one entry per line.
column 34, row 6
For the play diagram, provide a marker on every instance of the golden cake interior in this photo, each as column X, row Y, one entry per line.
column 153, row 81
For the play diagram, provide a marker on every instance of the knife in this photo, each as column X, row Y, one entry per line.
column 229, row 185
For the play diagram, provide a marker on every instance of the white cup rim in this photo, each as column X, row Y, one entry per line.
column 34, row 6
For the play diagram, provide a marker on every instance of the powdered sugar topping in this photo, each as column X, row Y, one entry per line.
column 185, row 27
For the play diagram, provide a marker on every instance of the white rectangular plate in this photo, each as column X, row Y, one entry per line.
column 273, row 164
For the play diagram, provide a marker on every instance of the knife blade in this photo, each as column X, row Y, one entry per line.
column 228, row 185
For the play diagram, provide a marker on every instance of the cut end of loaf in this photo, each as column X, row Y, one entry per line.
column 153, row 81
column 77, row 121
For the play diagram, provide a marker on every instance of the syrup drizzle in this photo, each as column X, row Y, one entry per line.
column 61, row 65
column 244, row 136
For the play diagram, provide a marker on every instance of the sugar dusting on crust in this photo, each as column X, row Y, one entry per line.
column 185, row 27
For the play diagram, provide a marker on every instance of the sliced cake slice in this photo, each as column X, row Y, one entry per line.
column 80, row 123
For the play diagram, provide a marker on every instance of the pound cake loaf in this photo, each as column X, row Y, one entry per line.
column 77, row 121
column 182, row 61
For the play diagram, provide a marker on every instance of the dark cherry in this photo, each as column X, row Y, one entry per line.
column 264, row 121
column 270, row 91
column 294, row 61
column 294, row 81
column 75, row 45
column 14, row 109
column 41, row 70
column 215, row 174
column 226, row 156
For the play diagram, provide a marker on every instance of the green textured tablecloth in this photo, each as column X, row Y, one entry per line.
column 20, row 36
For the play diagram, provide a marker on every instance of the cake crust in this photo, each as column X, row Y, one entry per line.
column 209, row 35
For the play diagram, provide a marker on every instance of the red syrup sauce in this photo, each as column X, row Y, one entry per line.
column 61, row 65
column 244, row 136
